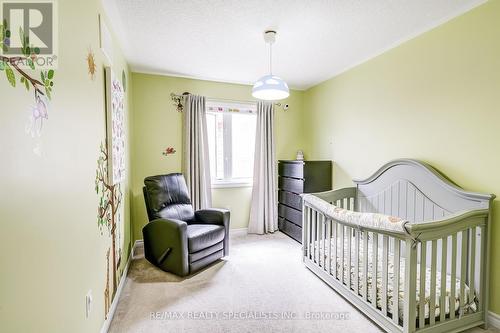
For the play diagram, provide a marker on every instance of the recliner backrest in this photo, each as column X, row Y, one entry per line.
column 167, row 197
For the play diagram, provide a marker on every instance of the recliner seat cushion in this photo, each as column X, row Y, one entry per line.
column 201, row 236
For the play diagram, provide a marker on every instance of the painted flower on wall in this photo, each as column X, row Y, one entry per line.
column 39, row 113
column 169, row 151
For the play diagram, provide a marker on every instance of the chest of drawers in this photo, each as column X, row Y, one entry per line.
column 294, row 178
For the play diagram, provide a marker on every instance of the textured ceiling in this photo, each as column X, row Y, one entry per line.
column 222, row 39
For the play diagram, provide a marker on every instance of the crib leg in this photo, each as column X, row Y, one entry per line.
column 485, row 326
column 410, row 288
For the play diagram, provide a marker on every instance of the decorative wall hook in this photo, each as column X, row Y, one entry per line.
column 283, row 106
column 178, row 101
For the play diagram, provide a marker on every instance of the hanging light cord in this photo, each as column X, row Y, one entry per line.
column 271, row 58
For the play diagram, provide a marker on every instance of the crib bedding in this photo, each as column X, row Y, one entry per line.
column 357, row 219
column 470, row 303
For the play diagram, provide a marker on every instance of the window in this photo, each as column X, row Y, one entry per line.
column 231, row 141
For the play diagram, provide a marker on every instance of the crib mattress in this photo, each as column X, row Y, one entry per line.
column 470, row 303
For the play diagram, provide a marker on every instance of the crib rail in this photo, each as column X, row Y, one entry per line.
column 439, row 267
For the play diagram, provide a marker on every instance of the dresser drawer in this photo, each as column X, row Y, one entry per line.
column 290, row 199
column 291, row 169
column 290, row 229
column 290, row 214
column 291, row 184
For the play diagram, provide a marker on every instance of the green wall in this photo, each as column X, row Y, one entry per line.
column 156, row 125
column 52, row 251
column 434, row 98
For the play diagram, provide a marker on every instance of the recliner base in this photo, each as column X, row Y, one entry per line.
column 203, row 262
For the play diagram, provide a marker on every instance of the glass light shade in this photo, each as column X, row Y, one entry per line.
column 270, row 88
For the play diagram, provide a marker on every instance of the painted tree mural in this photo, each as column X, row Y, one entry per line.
column 108, row 216
column 107, row 302
column 24, row 68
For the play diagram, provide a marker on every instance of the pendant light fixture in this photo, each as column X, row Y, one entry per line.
column 270, row 87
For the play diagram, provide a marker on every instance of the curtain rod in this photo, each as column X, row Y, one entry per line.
column 214, row 99
column 178, row 100
column 211, row 99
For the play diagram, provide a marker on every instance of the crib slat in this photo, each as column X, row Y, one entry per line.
column 311, row 217
column 463, row 272
column 348, row 263
column 329, row 250
column 432, row 306
column 421, row 312
column 311, row 231
column 308, row 231
column 313, row 235
column 395, row 286
column 365, row 266
column 323, row 230
column 356, row 261
column 318, row 231
column 453, row 282
column 472, row 264
column 374, row 268
column 442, row 303
column 341, row 248
column 335, row 245
column 385, row 263
column 320, row 237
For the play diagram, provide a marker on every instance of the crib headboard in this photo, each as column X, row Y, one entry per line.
column 414, row 190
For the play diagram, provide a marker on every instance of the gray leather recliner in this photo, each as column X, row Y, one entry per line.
column 177, row 239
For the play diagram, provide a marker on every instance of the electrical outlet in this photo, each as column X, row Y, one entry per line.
column 88, row 304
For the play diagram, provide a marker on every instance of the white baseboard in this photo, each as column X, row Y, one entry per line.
column 494, row 319
column 112, row 309
column 238, row 231
column 139, row 243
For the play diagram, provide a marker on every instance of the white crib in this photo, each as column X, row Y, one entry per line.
column 430, row 277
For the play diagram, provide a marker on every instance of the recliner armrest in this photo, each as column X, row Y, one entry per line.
column 166, row 245
column 212, row 216
column 216, row 216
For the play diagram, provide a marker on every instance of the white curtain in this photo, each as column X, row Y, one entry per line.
column 263, row 211
column 196, row 165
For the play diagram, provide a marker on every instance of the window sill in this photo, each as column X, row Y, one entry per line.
column 231, row 184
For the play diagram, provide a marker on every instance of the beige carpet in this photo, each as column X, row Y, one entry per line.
column 262, row 287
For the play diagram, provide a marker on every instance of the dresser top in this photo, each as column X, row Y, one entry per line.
column 304, row 161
